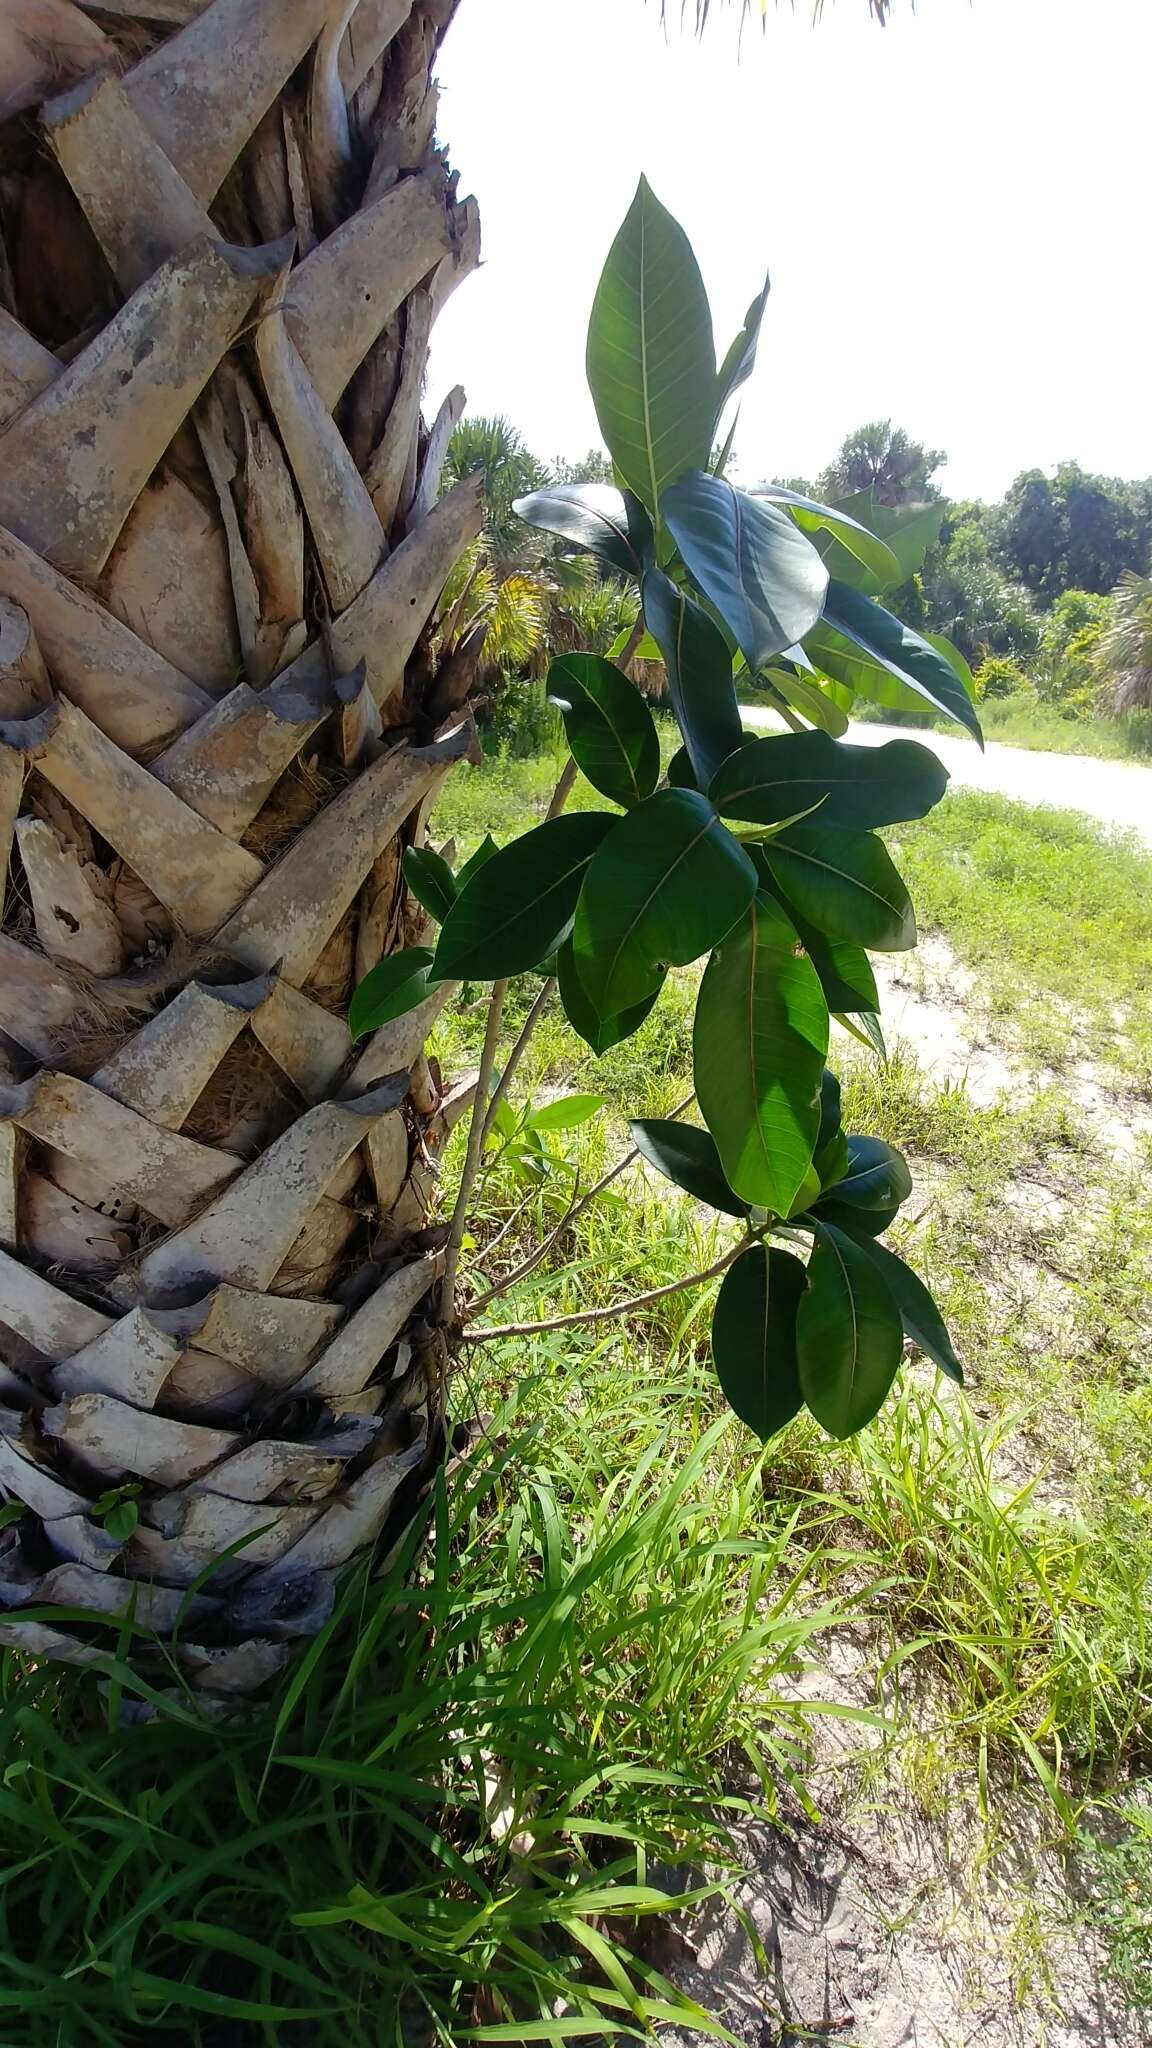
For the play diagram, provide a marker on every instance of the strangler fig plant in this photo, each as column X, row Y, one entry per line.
column 757, row 856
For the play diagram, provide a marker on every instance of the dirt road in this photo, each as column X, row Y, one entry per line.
column 1114, row 792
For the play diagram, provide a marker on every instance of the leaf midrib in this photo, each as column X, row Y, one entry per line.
column 813, row 860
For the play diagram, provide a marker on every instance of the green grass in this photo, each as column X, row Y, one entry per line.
column 1041, row 728
column 1053, row 914
column 421, row 1838
column 443, row 1825
column 1032, row 1501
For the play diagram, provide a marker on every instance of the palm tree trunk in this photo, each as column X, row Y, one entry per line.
column 225, row 233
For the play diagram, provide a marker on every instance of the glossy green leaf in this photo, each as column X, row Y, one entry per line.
column 830, row 1108
column 608, row 726
column 831, row 1158
column 754, row 1338
column 812, row 517
column 758, row 1048
column 921, row 1318
column 701, row 689
column 567, row 1113
column 763, row 575
column 390, row 989
column 600, row 1033
column 651, row 357
column 845, row 884
column 907, row 531
column 856, row 788
column 860, row 644
column 687, row 1156
column 849, row 1337
column 679, row 770
column 830, row 1163
column 844, row 968
column 431, row 881
column 740, row 360
column 869, row 1222
column 864, row 1025
column 476, row 861
column 813, row 700
column 667, row 883
column 877, row 1175
column 595, row 517
column 517, row 908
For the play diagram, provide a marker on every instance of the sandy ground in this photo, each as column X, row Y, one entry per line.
column 1112, row 792
column 884, row 1927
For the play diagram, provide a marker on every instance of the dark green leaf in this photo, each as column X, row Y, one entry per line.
column 908, row 531
column 476, row 861
column 600, row 1033
column 830, row 1107
column 590, row 516
column 754, row 1338
column 700, row 685
column 812, row 517
column 849, row 1337
column 609, row 727
column 830, row 1162
column 651, row 356
column 844, row 968
column 392, row 988
column 921, row 1318
column 873, row 1222
column 860, row 644
column 758, row 1049
column 763, row 575
column 679, row 770
column 667, row 883
column 740, row 360
column 517, row 908
column 431, row 881
column 845, row 884
column 866, row 1026
column 877, row 1176
column 687, row 1156
column 856, row 788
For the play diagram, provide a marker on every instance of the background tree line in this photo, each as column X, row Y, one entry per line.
column 1046, row 592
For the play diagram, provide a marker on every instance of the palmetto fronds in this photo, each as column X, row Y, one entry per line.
column 1125, row 649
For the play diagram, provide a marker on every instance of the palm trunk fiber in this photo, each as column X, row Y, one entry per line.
column 225, row 232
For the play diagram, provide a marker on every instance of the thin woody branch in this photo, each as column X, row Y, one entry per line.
column 613, row 1309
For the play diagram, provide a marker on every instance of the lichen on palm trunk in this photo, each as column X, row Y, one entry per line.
column 225, row 233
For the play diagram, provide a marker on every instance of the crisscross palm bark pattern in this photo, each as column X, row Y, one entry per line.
column 227, row 231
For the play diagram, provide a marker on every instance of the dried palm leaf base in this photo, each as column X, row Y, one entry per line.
column 225, row 234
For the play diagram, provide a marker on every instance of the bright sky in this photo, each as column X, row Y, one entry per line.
column 954, row 210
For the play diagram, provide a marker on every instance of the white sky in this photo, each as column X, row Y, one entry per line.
column 954, row 210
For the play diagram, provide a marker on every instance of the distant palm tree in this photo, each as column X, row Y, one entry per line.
column 1126, row 645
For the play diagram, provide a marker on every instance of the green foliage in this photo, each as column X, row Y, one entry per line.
column 1072, row 531
column 651, row 357
column 444, row 1825
column 999, row 676
column 390, row 989
column 609, row 727
column 767, row 870
column 754, row 1338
